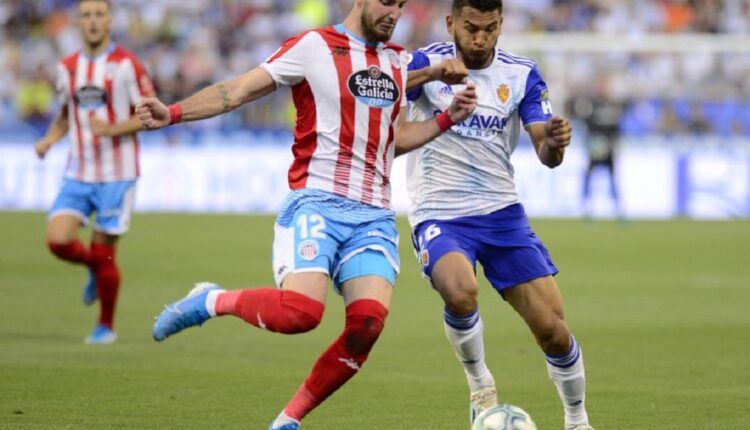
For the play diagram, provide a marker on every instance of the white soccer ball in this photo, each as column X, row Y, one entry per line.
column 504, row 417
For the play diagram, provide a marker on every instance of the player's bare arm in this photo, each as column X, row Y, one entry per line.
column 451, row 72
column 415, row 134
column 550, row 140
column 103, row 128
column 209, row 102
column 57, row 130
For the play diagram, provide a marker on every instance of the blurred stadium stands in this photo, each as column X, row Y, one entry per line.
column 679, row 68
column 190, row 43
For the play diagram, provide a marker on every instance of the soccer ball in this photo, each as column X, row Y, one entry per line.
column 504, row 417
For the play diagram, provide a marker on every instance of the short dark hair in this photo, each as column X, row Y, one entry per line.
column 480, row 5
column 84, row 1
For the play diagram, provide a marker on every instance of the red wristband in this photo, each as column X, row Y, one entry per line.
column 444, row 121
column 175, row 114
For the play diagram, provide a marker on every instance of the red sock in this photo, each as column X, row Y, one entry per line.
column 342, row 360
column 107, row 278
column 271, row 309
column 74, row 252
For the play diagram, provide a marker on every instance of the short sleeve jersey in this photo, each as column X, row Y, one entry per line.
column 467, row 170
column 348, row 94
column 106, row 87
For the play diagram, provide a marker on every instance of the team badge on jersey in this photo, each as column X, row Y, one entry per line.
column 90, row 97
column 503, row 93
column 308, row 250
column 374, row 88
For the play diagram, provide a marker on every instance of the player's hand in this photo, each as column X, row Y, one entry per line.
column 42, row 146
column 451, row 72
column 152, row 113
column 101, row 128
column 464, row 103
column 558, row 132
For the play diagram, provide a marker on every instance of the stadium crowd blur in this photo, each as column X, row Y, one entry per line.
column 187, row 44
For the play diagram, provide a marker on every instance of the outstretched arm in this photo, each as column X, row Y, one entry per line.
column 57, row 130
column 211, row 101
column 451, row 72
column 550, row 140
column 415, row 134
column 103, row 128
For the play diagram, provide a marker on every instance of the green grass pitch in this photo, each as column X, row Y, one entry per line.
column 661, row 309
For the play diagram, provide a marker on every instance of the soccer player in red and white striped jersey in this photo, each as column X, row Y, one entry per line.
column 99, row 88
column 348, row 84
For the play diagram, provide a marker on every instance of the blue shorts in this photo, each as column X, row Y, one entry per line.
column 320, row 232
column 502, row 242
column 111, row 201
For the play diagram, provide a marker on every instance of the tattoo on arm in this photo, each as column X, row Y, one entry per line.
column 224, row 97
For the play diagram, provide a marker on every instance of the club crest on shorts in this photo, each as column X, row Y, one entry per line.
column 424, row 258
column 308, row 250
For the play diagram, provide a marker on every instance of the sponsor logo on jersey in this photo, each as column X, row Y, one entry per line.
column 479, row 125
column 447, row 90
column 308, row 250
column 90, row 97
column 503, row 93
column 374, row 88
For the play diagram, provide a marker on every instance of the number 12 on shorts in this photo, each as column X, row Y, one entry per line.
column 311, row 226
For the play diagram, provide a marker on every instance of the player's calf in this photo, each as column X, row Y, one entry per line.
column 73, row 251
column 279, row 311
column 552, row 335
column 365, row 320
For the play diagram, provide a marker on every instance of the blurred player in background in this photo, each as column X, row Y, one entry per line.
column 601, row 113
column 337, row 223
column 99, row 88
column 465, row 207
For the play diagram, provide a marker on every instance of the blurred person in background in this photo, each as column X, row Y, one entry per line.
column 601, row 114
column 99, row 87
column 35, row 97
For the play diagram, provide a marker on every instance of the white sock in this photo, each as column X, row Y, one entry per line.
column 282, row 419
column 211, row 301
column 465, row 334
column 569, row 376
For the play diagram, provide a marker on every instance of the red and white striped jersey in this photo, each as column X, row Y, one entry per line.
column 107, row 87
column 348, row 96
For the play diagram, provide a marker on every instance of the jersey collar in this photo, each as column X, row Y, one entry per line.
column 341, row 29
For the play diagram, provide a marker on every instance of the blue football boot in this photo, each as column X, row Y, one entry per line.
column 89, row 290
column 287, row 426
column 188, row 312
column 102, row 335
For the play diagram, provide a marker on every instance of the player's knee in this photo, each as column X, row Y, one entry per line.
column 296, row 321
column 365, row 321
column 301, row 314
column 553, row 335
column 58, row 248
column 461, row 299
